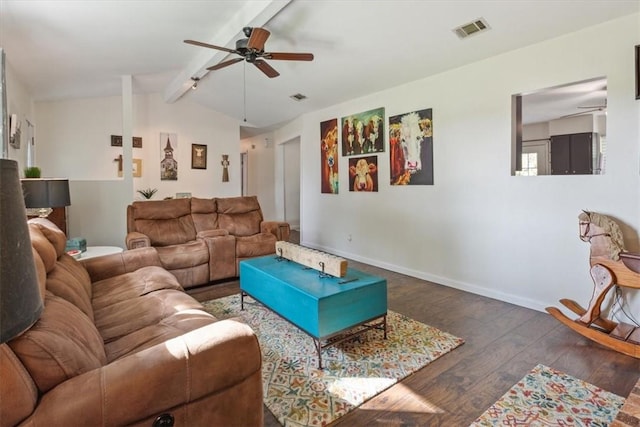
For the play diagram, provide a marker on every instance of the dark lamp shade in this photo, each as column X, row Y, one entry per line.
column 20, row 299
column 46, row 192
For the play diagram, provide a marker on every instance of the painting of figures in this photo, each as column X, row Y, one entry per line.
column 411, row 148
column 363, row 133
column 363, row 173
column 329, row 156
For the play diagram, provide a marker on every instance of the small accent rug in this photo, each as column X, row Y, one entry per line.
column 546, row 397
column 300, row 394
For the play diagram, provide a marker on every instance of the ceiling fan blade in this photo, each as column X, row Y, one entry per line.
column 258, row 38
column 289, row 56
column 225, row 64
column 266, row 68
column 581, row 113
column 210, row 46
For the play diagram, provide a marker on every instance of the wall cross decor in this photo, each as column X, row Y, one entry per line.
column 225, row 167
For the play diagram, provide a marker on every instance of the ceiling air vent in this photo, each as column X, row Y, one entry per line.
column 298, row 97
column 475, row 27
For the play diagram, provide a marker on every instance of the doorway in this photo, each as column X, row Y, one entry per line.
column 535, row 158
column 244, row 174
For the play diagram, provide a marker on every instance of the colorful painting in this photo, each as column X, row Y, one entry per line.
column 329, row 157
column 363, row 173
column 363, row 133
column 168, row 165
column 411, row 148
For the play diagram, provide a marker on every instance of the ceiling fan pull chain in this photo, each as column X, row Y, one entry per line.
column 244, row 90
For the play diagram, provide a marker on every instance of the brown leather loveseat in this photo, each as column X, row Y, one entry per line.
column 120, row 343
column 201, row 240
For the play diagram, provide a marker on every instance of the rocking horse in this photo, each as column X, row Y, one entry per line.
column 611, row 266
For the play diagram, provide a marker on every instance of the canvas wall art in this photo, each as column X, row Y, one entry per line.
column 168, row 164
column 363, row 173
column 329, row 181
column 363, row 133
column 411, row 148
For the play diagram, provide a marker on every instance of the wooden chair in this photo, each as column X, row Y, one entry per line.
column 611, row 265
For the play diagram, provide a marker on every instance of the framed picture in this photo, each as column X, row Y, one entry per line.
column 137, row 168
column 638, row 71
column 116, row 141
column 198, row 156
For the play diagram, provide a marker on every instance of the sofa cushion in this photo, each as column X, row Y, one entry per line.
column 125, row 317
column 132, row 285
column 157, row 333
column 165, row 222
column 256, row 245
column 188, row 254
column 205, row 216
column 69, row 280
column 61, row 345
column 241, row 216
column 43, row 246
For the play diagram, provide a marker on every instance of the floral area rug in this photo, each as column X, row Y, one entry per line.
column 300, row 394
column 546, row 397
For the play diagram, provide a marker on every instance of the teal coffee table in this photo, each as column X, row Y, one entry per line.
column 326, row 308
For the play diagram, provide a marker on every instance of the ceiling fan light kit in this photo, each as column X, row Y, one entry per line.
column 251, row 50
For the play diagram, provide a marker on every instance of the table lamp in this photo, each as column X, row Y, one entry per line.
column 43, row 194
column 20, row 299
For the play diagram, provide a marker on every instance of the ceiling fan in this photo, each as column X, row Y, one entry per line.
column 251, row 49
column 588, row 109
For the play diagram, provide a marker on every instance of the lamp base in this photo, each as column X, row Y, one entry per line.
column 40, row 212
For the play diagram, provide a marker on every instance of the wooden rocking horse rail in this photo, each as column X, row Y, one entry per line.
column 623, row 276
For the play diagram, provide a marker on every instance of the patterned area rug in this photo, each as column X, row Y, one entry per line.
column 546, row 397
column 299, row 394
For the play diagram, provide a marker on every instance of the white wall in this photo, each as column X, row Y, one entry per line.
column 19, row 103
column 74, row 142
column 479, row 228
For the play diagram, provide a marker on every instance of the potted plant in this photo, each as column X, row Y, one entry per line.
column 148, row 193
column 32, row 172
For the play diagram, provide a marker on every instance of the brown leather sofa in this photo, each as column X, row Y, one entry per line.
column 120, row 343
column 202, row 240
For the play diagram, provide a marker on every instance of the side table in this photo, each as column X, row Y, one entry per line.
column 94, row 251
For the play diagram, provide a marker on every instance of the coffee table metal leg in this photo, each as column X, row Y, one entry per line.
column 241, row 300
column 384, row 324
column 319, row 350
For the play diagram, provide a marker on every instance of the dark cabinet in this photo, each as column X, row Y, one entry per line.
column 574, row 154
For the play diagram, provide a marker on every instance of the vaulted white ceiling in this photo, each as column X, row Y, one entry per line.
column 69, row 49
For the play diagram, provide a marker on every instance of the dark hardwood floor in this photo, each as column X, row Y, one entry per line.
column 503, row 342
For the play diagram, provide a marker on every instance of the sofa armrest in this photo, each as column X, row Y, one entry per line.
column 280, row 229
column 104, row 267
column 136, row 239
column 212, row 233
column 206, row 362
